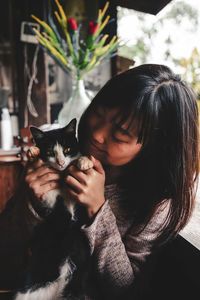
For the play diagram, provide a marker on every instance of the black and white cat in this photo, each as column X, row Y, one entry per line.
column 59, row 147
column 59, row 250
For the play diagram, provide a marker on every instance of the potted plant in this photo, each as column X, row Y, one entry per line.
column 61, row 40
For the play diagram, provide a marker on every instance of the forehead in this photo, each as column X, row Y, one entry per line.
column 125, row 119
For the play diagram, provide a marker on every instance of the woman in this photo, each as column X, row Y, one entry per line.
column 141, row 132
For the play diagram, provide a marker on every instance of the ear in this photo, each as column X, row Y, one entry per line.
column 36, row 132
column 71, row 127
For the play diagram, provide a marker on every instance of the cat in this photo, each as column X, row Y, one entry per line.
column 59, row 147
column 60, row 252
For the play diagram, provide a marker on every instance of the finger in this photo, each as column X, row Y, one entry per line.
column 42, row 175
column 48, row 177
column 97, row 165
column 43, row 170
column 49, row 186
column 78, row 175
column 35, row 165
column 76, row 196
column 74, row 184
column 72, row 194
column 38, row 163
column 40, row 191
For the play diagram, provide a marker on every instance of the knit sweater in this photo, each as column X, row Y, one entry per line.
column 118, row 250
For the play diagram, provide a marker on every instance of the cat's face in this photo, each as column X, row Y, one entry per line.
column 58, row 147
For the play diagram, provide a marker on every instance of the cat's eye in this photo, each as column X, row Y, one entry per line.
column 67, row 150
column 48, row 153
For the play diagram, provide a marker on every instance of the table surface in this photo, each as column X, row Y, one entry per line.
column 191, row 232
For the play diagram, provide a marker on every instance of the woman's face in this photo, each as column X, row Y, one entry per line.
column 109, row 142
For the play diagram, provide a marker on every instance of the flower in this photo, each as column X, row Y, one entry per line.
column 62, row 41
column 72, row 25
column 93, row 26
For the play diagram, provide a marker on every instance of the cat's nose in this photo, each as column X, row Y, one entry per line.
column 61, row 162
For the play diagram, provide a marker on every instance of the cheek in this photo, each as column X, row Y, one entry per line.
column 124, row 153
column 135, row 149
column 52, row 161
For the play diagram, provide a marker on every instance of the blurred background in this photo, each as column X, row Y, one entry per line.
column 169, row 37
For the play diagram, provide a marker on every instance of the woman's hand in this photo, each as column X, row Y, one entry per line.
column 87, row 187
column 41, row 179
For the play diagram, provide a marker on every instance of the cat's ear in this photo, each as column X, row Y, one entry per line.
column 71, row 127
column 36, row 132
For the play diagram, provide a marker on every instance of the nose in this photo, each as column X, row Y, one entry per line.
column 60, row 162
column 99, row 135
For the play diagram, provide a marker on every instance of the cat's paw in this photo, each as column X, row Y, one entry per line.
column 84, row 163
column 32, row 153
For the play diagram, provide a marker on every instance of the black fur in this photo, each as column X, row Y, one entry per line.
column 58, row 237
column 54, row 240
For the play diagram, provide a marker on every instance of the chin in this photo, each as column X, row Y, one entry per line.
column 61, row 168
column 57, row 167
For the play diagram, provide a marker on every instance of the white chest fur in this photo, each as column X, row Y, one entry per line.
column 83, row 163
column 52, row 290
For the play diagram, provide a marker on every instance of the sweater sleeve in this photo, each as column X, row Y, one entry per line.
column 118, row 261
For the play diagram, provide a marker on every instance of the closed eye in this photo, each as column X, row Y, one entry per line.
column 122, row 130
column 121, row 135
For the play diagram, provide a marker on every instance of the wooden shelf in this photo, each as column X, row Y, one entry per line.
column 9, row 158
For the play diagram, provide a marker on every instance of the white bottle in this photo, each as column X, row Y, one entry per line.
column 6, row 130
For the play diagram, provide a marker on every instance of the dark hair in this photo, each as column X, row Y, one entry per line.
column 167, row 114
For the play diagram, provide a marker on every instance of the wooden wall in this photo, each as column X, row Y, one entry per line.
column 24, row 54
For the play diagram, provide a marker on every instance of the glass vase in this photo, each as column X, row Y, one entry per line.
column 75, row 105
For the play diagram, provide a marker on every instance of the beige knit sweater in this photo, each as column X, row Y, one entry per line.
column 117, row 250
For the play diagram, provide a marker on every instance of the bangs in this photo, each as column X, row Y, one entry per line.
column 142, row 116
column 135, row 100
